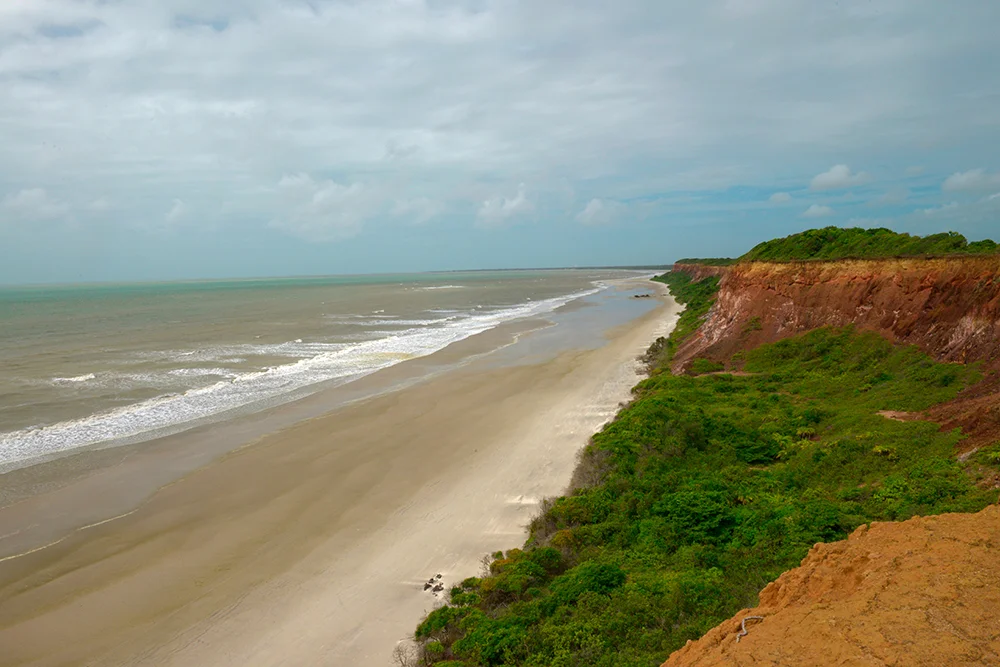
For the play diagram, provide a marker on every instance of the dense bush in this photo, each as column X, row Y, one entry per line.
column 708, row 488
column 855, row 242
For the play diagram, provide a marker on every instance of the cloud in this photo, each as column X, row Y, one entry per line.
column 892, row 196
column 837, row 177
column 496, row 211
column 915, row 170
column 944, row 208
column 779, row 198
column 817, row 211
column 100, row 205
column 33, row 204
column 972, row 180
column 393, row 101
column 418, row 210
column 600, row 212
column 176, row 212
column 322, row 210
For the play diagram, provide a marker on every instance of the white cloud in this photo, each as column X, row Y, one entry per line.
column 33, row 204
column 817, row 211
column 780, row 198
column 496, row 211
column 418, row 210
column 944, row 208
column 176, row 212
column 100, row 205
column 322, row 210
column 972, row 180
column 600, row 212
column 893, row 196
column 838, row 176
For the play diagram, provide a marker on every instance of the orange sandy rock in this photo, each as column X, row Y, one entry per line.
column 923, row 592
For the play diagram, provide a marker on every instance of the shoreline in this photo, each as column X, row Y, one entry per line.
column 276, row 552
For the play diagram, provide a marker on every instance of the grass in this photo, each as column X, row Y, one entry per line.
column 703, row 490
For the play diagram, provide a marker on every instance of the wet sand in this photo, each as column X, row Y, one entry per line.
column 312, row 546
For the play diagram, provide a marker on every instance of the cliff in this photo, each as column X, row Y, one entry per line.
column 921, row 592
column 949, row 307
column 702, row 271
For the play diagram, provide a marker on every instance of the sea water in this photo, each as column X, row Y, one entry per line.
column 95, row 365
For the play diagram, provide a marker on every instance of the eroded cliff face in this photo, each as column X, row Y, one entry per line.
column 948, row 307
column 702, row 271
column 920, row 592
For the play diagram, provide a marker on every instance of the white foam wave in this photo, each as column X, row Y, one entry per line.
column 240, row 353
column 400, row 322
column 327, row 362
column 79, row 378
column 433, row 287
column 203, row 372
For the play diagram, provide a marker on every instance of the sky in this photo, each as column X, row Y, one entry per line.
column 165, row 139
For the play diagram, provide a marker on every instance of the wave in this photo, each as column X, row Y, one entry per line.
column 325, row 362
column 399, row 322
column 235, row 354
column 433, row 287
column 79, row 378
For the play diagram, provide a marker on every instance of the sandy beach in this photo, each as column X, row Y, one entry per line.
column 312, row 545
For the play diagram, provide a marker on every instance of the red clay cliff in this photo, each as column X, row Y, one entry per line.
column 949, row 307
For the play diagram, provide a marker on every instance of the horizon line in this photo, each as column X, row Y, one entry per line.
column 105, row 283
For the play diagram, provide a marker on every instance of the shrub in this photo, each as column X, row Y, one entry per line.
column 701, row 366
column 855, row 242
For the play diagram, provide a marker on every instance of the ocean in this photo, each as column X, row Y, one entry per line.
column 86, row 366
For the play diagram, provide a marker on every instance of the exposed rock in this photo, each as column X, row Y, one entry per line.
column 923, row 592
column 900, row 416
column 702, row 271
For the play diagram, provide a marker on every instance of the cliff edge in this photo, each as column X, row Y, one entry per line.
column 920, row 592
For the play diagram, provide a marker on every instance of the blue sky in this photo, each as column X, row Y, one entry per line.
column 180, row 138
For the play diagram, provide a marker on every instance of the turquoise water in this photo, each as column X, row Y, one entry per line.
column 90, row 364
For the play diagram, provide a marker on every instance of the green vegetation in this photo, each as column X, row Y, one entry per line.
column 698, row 297
column 703, row 490
column 857, row 243
column 700, row 366
column 708, row 261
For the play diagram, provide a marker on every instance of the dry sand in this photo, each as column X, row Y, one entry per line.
column 311, row 547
